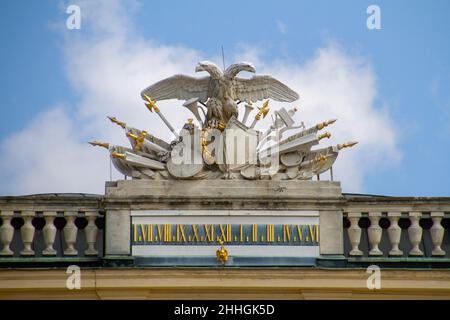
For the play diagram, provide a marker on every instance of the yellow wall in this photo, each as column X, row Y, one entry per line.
column 193, row 283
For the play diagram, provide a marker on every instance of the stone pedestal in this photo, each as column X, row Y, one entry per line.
column 223, row 201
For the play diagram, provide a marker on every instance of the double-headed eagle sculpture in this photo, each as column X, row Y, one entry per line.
column 207, row 149
column 221, row 90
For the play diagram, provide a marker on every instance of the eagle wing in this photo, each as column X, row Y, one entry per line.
column 180, row 87
column 261, row 87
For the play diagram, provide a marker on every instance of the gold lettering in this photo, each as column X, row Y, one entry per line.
column 286, row 233
column 181, row 236
column 167, row 232
column 149, row 233
column 159, row 230
column 255, row 233
column 134, row 233
column 241, row 230
column 300, row 232
column 225, row 233
column 314, row 233
column 270, row 230
column 195, row 231
column 143, row 231
column 209, row 231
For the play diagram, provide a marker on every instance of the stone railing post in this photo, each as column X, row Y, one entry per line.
column 70, row 231
column 27, row 233
column 6, row 233
column 437, row 233
column 374, row 232
column 354, row 233
column 49, row 231
column 91, row 231
column 415, row 233
column 331, row 233
column 394, row 232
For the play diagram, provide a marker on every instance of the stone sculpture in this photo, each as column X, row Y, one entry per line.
column 220, row 146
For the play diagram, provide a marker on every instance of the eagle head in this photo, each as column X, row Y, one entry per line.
column 234, row 69
column 211, row 68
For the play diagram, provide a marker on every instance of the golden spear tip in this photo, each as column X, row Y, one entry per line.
column 324, row 135
column 324, row 124
column 99, row 144
column 347, row 145
column 118, row 122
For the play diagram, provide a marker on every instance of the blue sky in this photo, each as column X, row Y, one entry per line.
column 409, row 57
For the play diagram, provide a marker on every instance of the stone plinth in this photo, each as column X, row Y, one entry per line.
column 232, row 202
column 224, row 189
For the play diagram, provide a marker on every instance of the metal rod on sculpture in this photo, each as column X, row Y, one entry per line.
column 248, row 108
column 323, row 136
column 263, row 111
column 118, row 122
column 324, row 124
column 96, row 143
column 138, row 160
column 151, row 105
column 346, row 145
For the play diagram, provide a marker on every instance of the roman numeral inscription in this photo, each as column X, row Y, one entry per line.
column 231, row 234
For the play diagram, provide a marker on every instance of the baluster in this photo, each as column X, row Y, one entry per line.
column 49, row 233
column 374, row 232
column 394, row 233
column 91, row 234
column 437, row 233
column 27, row 233
column 6, row 233
column 415, row 233
column 354, row 233
column 70, row 231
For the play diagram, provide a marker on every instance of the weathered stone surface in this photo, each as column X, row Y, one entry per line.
column 225, row 189
column 117, row 240
column 331, row 233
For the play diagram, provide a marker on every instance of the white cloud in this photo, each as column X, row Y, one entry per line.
column 48, row 156
column 335, row 85
column 110, row 66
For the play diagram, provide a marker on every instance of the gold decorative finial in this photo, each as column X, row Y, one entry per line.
column 324, row 124
column 118, row 155
column 263, row 111
column 151, row 105
column 222, row 253
column 324, row 135
column 139, row 140
column 190, row 120
column 116, row 121
column 346, row 145
column 99, row 144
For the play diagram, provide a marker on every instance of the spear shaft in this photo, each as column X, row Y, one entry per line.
column 151, row 105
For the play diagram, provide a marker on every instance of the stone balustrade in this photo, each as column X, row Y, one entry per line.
column 95, row 229
column 51, row 226
column 397, row 234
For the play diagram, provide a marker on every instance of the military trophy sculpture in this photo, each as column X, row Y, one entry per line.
column 218, row 145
